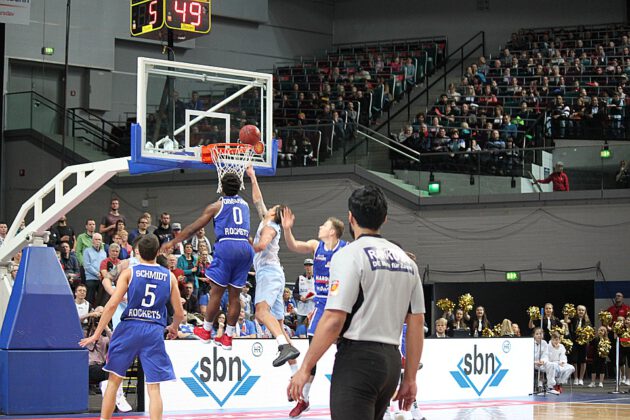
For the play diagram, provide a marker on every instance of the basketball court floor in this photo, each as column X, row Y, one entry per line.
column 576, row 404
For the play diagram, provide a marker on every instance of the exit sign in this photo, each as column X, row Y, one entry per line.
column 512, row 276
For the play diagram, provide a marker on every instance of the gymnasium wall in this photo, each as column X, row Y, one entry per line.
column 460, row 19
column 246, row 34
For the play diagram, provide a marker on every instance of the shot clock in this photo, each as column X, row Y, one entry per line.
column 187, row 18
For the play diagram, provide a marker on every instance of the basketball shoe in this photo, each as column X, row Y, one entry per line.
column 300, row 408
column 224, row 341
column 202, row 334
column 286, row 352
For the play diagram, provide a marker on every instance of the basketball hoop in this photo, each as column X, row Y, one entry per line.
column 228, row 158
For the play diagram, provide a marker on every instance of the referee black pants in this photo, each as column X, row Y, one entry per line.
column 364, row 379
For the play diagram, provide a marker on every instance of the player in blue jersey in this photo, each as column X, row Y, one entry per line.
column 149, row 288
column 323, row 248
column 233, row 256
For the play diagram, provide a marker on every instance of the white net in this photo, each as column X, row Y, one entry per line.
column 231, row 158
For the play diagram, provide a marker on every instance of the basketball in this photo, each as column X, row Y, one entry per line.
column 249, row 134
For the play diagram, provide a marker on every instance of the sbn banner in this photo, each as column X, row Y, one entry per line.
column 209, row 377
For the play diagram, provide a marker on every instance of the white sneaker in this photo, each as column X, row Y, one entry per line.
column 576, row 382
column 103, row 386
column 581, row 382
column 553, row 391
column 540, row 384
column 601, row 385
column 415, row 411
column 591, row 385
column 122, row 404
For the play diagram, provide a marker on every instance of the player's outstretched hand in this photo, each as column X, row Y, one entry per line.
column 88, row 340
column 171, row 332
column 288, row 218
column 406, row 395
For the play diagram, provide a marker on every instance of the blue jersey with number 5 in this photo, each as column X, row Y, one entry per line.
column 232, row 221
column 149, row 292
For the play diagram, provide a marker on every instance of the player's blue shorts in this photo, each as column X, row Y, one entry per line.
column 231, row 263
column 269, row 288
column 142, row 339
column 320, row 305
column 203, row 299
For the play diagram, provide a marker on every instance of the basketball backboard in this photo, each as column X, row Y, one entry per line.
column 183, row 106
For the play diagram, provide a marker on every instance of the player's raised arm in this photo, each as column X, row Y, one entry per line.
column 121, row 288
column 257, row 197
column 266, row 236
column 178, row 310
column 205, row 218
column 301, row 247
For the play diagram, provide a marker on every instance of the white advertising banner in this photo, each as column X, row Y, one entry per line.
column 15, row 11
column 469, row 368
column 209, row 377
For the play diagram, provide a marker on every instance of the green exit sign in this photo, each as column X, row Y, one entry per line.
column 512, row 276
column 605, row 153
column 434, row 187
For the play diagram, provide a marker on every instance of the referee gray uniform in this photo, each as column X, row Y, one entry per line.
column 377, row 284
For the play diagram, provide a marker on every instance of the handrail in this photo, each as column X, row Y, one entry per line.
column 97, row 117
column 377, row 42
column 442, row 77
column 78, row 122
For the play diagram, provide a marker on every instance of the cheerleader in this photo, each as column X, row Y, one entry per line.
column 578, row 354
column 624, row 351
column 548, row 322
column 599, row 357
column 558, row 370
column 459, row 322
column 480, row 322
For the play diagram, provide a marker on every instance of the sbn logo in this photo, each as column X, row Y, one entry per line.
column 220, row 369
column 220, row 378
column 479, row 370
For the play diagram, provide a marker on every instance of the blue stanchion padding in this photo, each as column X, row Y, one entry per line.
column 43, row 381
column 139, row 164
column 41, row 313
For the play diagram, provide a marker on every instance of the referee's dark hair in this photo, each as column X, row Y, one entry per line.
column 148, row 247
column 368, row 207
column 230, row 184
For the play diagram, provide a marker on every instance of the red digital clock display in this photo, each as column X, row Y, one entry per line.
column 186, row 17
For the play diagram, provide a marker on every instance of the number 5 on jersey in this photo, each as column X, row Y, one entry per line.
column 149, row 296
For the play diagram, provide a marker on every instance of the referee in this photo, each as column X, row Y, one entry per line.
column 374, row 287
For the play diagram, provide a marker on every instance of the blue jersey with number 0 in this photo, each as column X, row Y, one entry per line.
column 149, row 292
column 232, row 221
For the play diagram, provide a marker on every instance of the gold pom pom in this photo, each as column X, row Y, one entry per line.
column 446, row 305
column 534, row 313
column 603, row 348
column 618, row 328
column 466, row 302
column 605, row 317
column 487, row 332
column 569, row 310
column 497, row 330
column 584, row 335
column 568, row 344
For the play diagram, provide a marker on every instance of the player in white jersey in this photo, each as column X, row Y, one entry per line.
column 328, row 243
column 270, row 279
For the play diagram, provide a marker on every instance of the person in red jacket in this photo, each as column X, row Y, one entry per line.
column 559, row 179
column 619, row 309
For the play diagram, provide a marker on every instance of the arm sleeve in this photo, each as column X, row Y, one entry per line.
column 345, row 281
column 416, row 305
